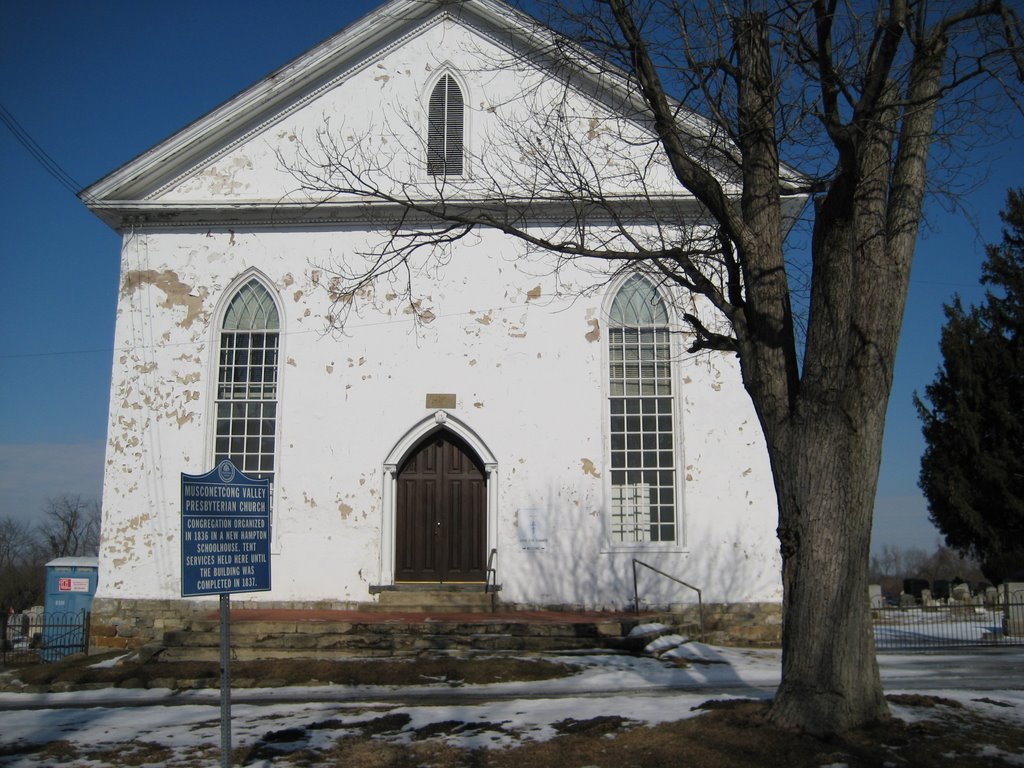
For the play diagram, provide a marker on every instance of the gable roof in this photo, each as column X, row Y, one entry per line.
column 132, row 191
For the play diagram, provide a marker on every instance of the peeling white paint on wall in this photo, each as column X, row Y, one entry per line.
column 520, row 341
column 348, row 399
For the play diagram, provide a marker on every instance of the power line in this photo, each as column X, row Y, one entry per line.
column 39, row 154
column 24, row 355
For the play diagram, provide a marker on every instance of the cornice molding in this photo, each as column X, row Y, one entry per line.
column 131, row 214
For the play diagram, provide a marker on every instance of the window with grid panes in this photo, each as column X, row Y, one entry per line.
column 246, row 428
column 642, row 435
column 444, row 129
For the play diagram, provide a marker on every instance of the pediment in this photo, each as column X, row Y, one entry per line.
column 361, row 94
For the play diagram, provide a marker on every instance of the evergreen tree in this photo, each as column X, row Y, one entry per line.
column 972, row 471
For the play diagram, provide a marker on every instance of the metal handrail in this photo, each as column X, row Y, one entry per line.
column 636, row 596
column 491, row 571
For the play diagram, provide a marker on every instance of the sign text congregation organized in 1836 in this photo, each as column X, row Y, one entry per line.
column 225, row 533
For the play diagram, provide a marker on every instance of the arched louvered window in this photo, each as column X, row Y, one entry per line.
column 445, row 129
column 246, row 429
column 642, row 433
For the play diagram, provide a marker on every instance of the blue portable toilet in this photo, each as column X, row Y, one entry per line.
column 70, row 587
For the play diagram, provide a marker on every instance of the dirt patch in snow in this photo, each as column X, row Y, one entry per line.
column 735, row 734
column 732, row 735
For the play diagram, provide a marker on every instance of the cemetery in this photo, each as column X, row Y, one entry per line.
column 943, row 614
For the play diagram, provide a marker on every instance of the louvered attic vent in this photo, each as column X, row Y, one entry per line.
column 444, row 134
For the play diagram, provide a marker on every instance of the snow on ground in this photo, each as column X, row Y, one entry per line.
column 191, row 727
column 1005, row 705
column 643, row 630
column 937, row 626
column 111, row 662
column 642, row 690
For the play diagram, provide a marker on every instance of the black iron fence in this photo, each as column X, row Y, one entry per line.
column 29, row 638
column 939, row 624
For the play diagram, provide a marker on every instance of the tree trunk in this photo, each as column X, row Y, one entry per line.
column 827, row 480
column 827, row 449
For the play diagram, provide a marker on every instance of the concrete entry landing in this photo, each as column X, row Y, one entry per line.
column 448, row 598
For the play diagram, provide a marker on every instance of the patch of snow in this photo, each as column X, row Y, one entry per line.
column 664, row 643
column 643, row 630
column 699, row 652
column 992, row 751
column 1004, row 705
column 108, row 663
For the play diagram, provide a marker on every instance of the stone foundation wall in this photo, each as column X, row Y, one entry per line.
column 756, row 624
column 130, row 624
column 743, row 624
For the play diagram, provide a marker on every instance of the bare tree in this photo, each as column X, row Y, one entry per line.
column 840, row 101
column 946, row 563
column 70, row 526
column 889, row 563
column 15, row 540
column 21, row 576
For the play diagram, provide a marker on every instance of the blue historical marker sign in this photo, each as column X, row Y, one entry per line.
column 225, row 533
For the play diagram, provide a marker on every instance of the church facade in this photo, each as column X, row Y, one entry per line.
column 481, row 413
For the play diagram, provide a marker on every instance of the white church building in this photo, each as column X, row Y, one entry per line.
column 484, row 414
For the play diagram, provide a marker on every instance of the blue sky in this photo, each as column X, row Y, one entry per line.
column 96, row 83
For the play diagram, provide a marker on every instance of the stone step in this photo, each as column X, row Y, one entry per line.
column 465, row 600
column 255, row 639
column 425, row 624
column 373, row 648
column 299, row 635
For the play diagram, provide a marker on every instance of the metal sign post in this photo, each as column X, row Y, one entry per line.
column 225, row 681
column 225, row 548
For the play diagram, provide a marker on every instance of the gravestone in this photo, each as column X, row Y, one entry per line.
column 1013, row 608
column 875, row 595
column 913, row 587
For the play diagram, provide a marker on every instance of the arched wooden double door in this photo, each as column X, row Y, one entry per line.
column 441, row 514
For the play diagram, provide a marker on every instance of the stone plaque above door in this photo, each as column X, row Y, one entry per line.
column 435, row 400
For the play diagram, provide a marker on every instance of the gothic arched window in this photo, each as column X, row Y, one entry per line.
column 642, row 436
column 246, row 428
